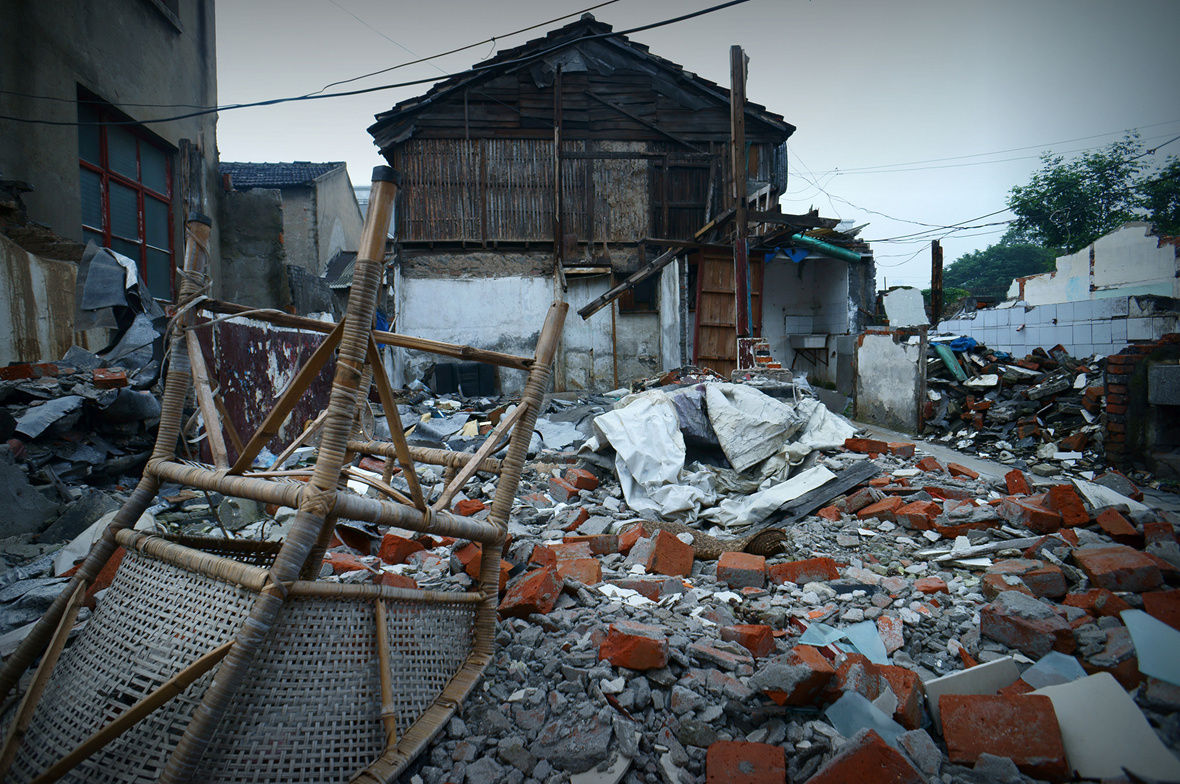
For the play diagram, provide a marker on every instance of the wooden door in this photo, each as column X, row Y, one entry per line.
column 715, row 335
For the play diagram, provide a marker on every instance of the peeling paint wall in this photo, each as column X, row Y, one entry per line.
column 505, row 313
column 890, row 379
column 806, row 298
column 1126, row 262
column 37, row 308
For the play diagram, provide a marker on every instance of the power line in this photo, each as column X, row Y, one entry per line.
column 874, row 169
column 361, row 91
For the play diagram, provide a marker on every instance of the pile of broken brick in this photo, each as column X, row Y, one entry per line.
column 901, row 637
column 929, row 624
column 1041, row 412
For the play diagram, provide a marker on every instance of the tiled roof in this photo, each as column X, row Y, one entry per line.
column 275, row 175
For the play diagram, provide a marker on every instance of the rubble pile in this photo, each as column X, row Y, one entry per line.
column 894, row 629
column 1040, row 413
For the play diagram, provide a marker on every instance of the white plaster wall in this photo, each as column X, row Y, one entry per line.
column 506, row 313
column 889, row 381
column 1127, row 262
column 803, row 299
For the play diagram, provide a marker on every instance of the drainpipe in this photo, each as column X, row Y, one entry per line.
column 826, row 248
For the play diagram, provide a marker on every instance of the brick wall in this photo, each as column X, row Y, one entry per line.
column 1126, row 398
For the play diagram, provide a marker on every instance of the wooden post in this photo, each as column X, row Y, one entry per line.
column 935, row 282
column 558, row 227
column 737, row 146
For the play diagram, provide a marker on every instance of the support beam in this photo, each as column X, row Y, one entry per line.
column 637, row 277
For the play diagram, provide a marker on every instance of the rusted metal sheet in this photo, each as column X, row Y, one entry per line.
column 252, row 363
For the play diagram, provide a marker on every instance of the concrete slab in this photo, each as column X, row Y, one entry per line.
column 987, row 678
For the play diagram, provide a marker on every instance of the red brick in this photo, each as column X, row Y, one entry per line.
column 1026, row 624
column 109, row 378
column 961, row 471
column 105, row 577
column 353, row 537
column 1158, row 533
column 1023, row 729
column 26, row 370
column 758, row 639
column 830, row 513
column 600, row 544
column 880, row 481
column 582, row 516
column 1064, row 500
column 812, row 673
column 742, row 762
column 867, row 759
column 344, row 562
column 868, row 446
column 860, row 499
column 930, row 585
column 1117, row 567
column 571, row 550
column 585, row 570
column 562, row 490
column 1017, row 482
column 892, row 632
column 396, row 549
column 929, row 464
column 907, row 687
column 1036, row 518
column 1043, row 579
column 805, row 571
column 534, row 592
column 628, row 537
column 918, row 514
column 882, row 510
column 742, row 570
column 1099, row 602
column 469, row 506
column 636, row 646
column 1164, row 606
column 541, row 555
column 581, row 478
column 901, row 449
column 669, row 556
column 395, row 580
column 1118, row 527
column 993, row 584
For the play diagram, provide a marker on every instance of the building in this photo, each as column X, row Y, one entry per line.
column 558, row 168
column 85, row 155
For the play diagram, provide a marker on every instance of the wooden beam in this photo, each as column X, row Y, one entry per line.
column 204, row 391
column 644, row 122
column 396, row 431
column 637, row 277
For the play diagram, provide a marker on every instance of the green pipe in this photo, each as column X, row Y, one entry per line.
column 825, row 248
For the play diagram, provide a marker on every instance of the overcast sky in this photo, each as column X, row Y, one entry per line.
column 889, row 98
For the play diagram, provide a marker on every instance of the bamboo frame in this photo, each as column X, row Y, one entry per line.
column 319, row 502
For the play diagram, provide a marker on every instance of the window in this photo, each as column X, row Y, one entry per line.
column 642, row 298
column 126, row 184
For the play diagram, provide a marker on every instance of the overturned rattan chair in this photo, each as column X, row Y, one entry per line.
column 236, row 665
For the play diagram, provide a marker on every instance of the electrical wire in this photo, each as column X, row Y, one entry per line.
column 361, row 91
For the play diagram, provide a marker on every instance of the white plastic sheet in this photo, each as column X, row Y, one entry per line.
column 739, row 511
column 751, row 426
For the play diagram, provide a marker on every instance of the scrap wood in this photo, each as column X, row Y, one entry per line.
column 847, row 479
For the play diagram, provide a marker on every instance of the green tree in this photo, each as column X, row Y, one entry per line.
column 1161, row 198
column 989, row 272
column 1069, row 204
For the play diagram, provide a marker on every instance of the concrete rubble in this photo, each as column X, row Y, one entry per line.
column 874, row 615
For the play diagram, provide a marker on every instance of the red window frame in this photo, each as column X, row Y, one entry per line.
column 104, row 113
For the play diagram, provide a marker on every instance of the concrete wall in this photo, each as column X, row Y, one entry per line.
column 299, row 228
column 891, row 379
column 505, row 313
column 338, row 216
column 124, row 51
column 37, row 308
column 806, row 298
column 252, row 249
column 1125, row 262
column 1098, row 326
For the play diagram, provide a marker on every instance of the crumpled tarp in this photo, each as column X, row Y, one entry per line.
column 767, row 437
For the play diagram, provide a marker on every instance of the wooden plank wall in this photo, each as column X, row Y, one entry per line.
column 715, row 337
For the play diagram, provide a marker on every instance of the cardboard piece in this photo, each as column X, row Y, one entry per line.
column 987, row 678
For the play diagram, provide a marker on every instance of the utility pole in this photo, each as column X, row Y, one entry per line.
column 935, row 282
column 737, row 127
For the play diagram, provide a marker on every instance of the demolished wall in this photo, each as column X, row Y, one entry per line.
column 890, row 378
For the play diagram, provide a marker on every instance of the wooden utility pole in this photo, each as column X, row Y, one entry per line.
column 935, row 282
column 737, row 127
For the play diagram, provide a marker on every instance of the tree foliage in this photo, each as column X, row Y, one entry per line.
column 988, row 272
column 1161, row 198
column 1069, row 204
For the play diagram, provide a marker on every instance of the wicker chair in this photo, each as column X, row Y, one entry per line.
column 216, row 662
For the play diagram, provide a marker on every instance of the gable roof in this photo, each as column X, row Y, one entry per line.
column 275, row 175
column 589, row 43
